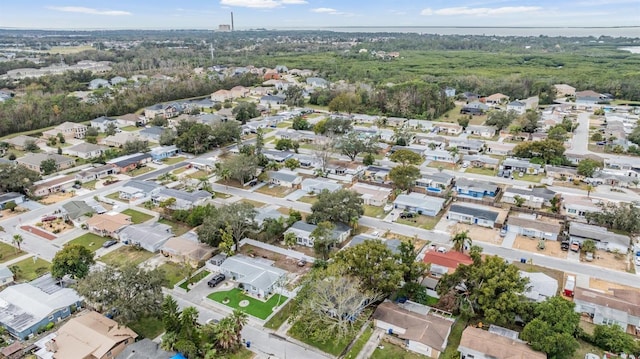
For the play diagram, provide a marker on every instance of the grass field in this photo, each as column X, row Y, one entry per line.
column 256, row 308
column 126, row 255
column 63, row 50
column 90, row 241
column 130, row 128
column 373, row 211
column 177, row 228
column 481, row 171
column 29, row 269
column 173, row 160
column 454, row 338
column 140, row 171
column 308, row 199
column 90, row 184
column 392, row 351
column 424, row 222
column 147, row 327
column 8, row 252
column 194, row 279
column 137, row 216
column 332, row 346
column 173, row 273
column 116, row 197
column 359, row 344
column 281, row 317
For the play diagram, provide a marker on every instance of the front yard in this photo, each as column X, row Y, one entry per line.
column 8, row 252
column 373, row 211
column 481, row 171
column 116, row 197
column 194, row 279
column 256, row 308
column 387, row 350
column 420, row 221
column 283, row 314
column 126, row 255
column 147, row 327
column 274, row 190
column 308, row 199
column 173, row 160
column 137, row 217
column 30, row 269
column 174, row 273
column 90, row 241
column 140, row 171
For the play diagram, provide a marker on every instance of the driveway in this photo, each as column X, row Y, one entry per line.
column 296, row 195
column 509, row 239
column 31, row 205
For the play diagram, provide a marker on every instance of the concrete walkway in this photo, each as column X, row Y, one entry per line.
column 16, row 260
column 272, row 248
column 509, row 240
column 371, row 344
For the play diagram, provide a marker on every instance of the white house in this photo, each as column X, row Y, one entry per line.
column 541, row 286
column 317, row 185
column 372, row 195
column 284, row 178
column 102, row 123
column 84, row 150
column 478, row 343
column 473, row 214
column 441, row 156
column 303, row 231
column 183, row 199
column 149, row 236
column 604, row 239
column 258, row 276
column 621, row 307
column 532, row 197
column 530, row 226
column 420, row 203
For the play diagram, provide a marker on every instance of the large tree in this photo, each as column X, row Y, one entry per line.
column 48, row 166
column 135, row 146
column 406, row 157
column 345, row 102
column 132, row 291
column 241, row 168
column 403, row 177
column 549, row 151
column 294, row 96
column 622, row 216
column 238, row 218
column 245, row 111
column 338, row 206
column 352, row 144
column 323, row 239
column 588, row 167
column 614, row 339
column 529, row 122
column 74, row 260
column 501, row 119
column 16, row 178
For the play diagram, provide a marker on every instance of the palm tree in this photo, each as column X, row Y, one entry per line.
column 590, row 189
column 226, row 334
column 16, row 270
column 17, row 241
column 461, row 240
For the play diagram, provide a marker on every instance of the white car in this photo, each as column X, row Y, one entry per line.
column 638, row 260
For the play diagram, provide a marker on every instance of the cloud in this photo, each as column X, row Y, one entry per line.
column 480, row 11
column 325, row 10
column 88, row 10
column 261, row 4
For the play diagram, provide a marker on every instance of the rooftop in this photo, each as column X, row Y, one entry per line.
column 497, row 346
column 475, row 211
column 253, row 271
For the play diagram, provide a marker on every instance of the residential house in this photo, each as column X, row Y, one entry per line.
column 15, row 350
column 15, row 197
column 562, row 173
column 499, row 148
column 284, row 178
column 278, row 156
column 522, row 106
column 344, row 168
column 392, row 244
column 102, row 123
column 481, row 161
column 152, row 133
column 588, row 98
column 75, row 210
column 482, row 131
column 60, row 183
column 163, row 110
column 96, row 173
column 203, row 164
column 376, row 174
column 6, row 276
column 317, row 185
column 84, row 150
column 108, row 224
column 162, row 152
column 530, row 226
column 268, row 212
column 239, row 92
column 451, row 129
column 476, row 188
column 434, row 182
column 271, row 75
column 271, row 100
column 33, row 161
column 419, row 203
column 131, row 119
column 533, row 197
column 372, row 195
column 465, row 145
column 622, row 307
column 145, row 349
column 260, row 91
column 136, row 189
column 578, row 206
column 90, row 335
column 149, row 236
column 473, row 214
column 183, row 199
column 221, row 96
column 396, row 121
column 117, row 80
column 441, row 156
column 541, row 286
column 423, row 125
column 474, row 108
column 130, row 162
column 477, row 343
column 307, row 161
column 450, row 92
column 604, row 240
column 119, row 139
column 496, row 99
column 186, row 249
column 303, row 231
column 28, row 306
column 317, row 82
column 258, row 276
column 422, row 331
column 68, row 130
column 523, row 166
column 20, row 142
column 445, row 262
column 564, row 90
column 98, row 83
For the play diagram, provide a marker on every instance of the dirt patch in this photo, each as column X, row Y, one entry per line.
column 56, row 197
column 56, row 227
column 275, row 190
column 6, row 213
column 38, row 232
column 532, row 268
column 551, row 248
column 477, row 233
column 281, row 261
column 599, row 284
column 609, row 260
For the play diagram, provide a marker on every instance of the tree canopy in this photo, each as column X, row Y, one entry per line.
column 238, row 218
column 554, row 328
column 406, row 157
column 16, row 178
column 74, row 260
column 404, row 177
column 245, row 111
column 501, row 119
column 340, row 206
column 587, row 167
column 352, row 144
column 549, row 151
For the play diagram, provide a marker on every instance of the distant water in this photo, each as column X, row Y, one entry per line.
column 631, row 49
column 633, row 32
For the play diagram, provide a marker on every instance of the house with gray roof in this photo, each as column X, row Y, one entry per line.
column 441, row 156
column 74, row 210
column 393, row 244
column 136, row 189
column 473, row 214
column 278, row 156
column 317, row 82
column 541, row 286
column 482, row 131
column 466, row 145
column 303, row 231
column 14, row 197
column 102, row 123
column 530, row 226
column 256, row 275
column 183, row 199
column 269, row 212
column 84, row 150
column 98, row 83
column 33, row 161
column 419, row 203
column 151, row 133
column 605, row 240
column 475, row 188
column 434, row 182
column 520, row 165
column 481, row 161
column 317, row 185
column 26, row 307
column 6, row 276
column 96, row 173
column 622, row 307
column 284, row 178
column 533, row 197
column 20, row 142
column 149, row 236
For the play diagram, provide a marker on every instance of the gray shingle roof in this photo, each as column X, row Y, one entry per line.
column 597, row 233
column 475, row 212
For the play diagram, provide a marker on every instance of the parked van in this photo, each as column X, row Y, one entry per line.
column 217, row 279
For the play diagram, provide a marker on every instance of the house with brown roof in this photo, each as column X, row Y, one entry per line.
column 221, row 96
column 443, row 263
column 131, row 119
column 20, row 142
column 108, row 224
column 186, row 249
column 239, row 91
column 496, row 99
column 90, row 336
column 622, row 307
column 564, row 90
column 423, row 332
column 481, row 344
column 53, row 185
column 68, row 130
column 33, row 161
column 372, row 195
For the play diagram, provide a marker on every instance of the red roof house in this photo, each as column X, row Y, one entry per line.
column 442, row 263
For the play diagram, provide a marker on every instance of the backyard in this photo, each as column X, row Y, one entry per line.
column 89, row 240
column 387, row 350
column 126, row 255
column 8, row 252
column 255, row 307
column 177, row 228
column 30, row 268
column 147, row 327
column 137, row 217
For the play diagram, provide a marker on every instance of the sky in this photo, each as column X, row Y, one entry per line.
column 274, row 14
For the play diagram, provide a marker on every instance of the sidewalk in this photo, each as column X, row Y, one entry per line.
column 16, row 260
column 371, row 345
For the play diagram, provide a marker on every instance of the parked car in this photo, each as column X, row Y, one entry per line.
column 638, row 260
column 388, row 208
column 408, row 214
column 575, row 246
column 588, row 257
column 564, row 245
column 503, row 232
column 302, row 262
column 217, row 279
column 108, row 244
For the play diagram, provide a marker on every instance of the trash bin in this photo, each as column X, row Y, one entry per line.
column 248, row 344
column 523, row 260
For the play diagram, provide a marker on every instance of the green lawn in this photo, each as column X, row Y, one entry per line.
column 126, row 255
column 284, row 124
column 90, row 184
column 137, row 216
column 147, row 327
column 420, row 221
column 256, row 308
column 242, row 353
column 454, row 338
column 89, row 240
column 373, row 211
column 392, row 351
column 173, row 273
column 116, row 197
column 200, row 174
column 585, row 348
column 256, row 204
column 529, row 178
column 481, row 171
column 431, row 301
column 140, row 171
column 177, row 171
column 308, row 199
column 177, row 228
column 129, row 128
column 30, row 269
column 359, row 343
column 194, row 279
column 283, row 314
column 8, row 252
column 173, row 160
column 332, row 346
